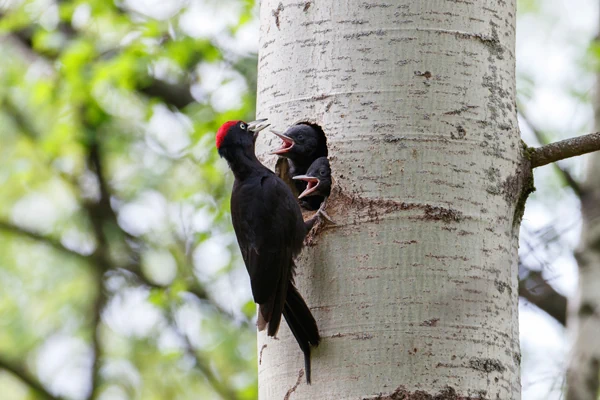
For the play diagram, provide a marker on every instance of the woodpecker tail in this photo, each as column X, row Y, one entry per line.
column 269, row 315
column 302, row 324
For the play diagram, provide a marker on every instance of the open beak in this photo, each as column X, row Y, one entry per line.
column 287, row 145
column 313, row 184
column 257, row 126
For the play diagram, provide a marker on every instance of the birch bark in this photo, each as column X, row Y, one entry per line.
column 415, row 288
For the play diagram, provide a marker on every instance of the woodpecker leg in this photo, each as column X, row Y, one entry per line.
column 322, row 213
column 319, row 214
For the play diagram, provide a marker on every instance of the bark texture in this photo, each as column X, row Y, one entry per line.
column 415, row 290
column 583, row 377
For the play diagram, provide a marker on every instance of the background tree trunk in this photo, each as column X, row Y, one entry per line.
column 415, row 289
column 583, row 377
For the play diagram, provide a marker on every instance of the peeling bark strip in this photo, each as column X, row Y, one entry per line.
column 567, row 148
column 417, row 283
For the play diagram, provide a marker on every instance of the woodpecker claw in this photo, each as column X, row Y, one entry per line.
column 321, row 212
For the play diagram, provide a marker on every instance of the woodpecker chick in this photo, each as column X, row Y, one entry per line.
column 302, row 145
column 270, row 231
column 318, row 179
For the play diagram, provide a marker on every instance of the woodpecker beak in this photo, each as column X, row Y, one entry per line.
column 313, row 184
column 257, row 126
column 287, row 145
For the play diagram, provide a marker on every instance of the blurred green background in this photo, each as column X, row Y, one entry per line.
column 120, row 277
column 116, row 251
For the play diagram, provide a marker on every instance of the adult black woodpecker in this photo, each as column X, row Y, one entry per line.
column 270, row 232
column 318, row 179
column 302, row 145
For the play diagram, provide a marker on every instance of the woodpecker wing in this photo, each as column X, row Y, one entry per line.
column 269, row 229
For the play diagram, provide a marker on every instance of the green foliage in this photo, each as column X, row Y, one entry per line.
column 110, row 189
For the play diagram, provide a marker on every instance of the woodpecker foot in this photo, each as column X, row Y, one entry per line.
column 321, row 212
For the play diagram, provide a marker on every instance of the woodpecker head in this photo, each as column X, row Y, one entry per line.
column 318, row 178
column 238, row 134
column 300, row 142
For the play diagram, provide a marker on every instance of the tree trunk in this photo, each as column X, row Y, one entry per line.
column 583, row 377
column 415, row 288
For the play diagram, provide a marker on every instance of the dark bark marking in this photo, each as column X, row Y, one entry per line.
column 461, row 133
column 339, row 202
column 260, row 354
column 460, row 110
column 430, row 322
column 425, row 74
column 486, row 364
column 586, row 310
column 516, row 188
column 293, row 388
column 502, row 286
column 401, row 393
column 276, row 13
column 442, row 214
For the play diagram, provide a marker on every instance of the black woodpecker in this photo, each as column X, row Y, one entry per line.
column 270, row 232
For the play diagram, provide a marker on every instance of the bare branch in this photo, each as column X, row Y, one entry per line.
column 543, row 140
column 26, row 378
column 567, row 148
column 176, row 95
column 132, row 268
column 56, row 244
column 537, row 291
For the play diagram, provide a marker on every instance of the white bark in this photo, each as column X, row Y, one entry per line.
column 583, row 377
column 415, row 289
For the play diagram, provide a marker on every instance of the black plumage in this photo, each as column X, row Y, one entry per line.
column 270, row 232
column 302, row 145
column 318, row 179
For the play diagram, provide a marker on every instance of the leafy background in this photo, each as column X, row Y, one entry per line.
column 120, row 277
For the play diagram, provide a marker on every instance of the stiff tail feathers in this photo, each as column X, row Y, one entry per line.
column 302, row 324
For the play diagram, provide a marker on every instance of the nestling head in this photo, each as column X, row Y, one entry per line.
column 300, row 141
column 318, row 178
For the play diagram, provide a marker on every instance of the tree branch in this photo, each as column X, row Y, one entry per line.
column 537, row 291
column 567, row 148
column 543, row 140
column 176, row 95
column 54, row 243
column 99, row 303
column 132, row 268
column 26, row 378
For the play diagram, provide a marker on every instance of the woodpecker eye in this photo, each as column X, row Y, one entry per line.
column 242, row 125
column 322, row 172
column 300, row 137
